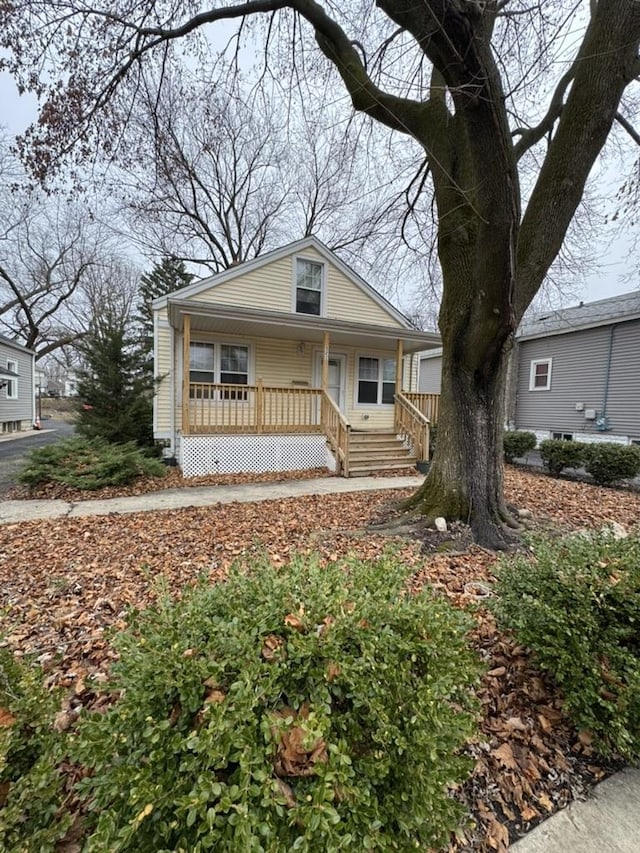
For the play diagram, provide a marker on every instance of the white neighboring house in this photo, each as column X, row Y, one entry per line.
column 71, row 384
column 17, row 386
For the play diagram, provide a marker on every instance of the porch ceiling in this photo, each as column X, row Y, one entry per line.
column 246, row 322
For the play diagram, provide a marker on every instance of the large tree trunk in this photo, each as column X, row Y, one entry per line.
column 465, row 480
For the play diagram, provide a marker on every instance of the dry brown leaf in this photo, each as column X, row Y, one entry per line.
column 516, row 724
column 215, row 697
column 7, row 719
column 273, row 647
column 505, row 756
column 545, row 802
column 498, row 836
column 497, row 672
column 287, row 793
column 294, row 622
column 65, row 719
column 332, row 672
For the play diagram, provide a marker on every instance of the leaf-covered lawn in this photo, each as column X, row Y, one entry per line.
column 66, row 583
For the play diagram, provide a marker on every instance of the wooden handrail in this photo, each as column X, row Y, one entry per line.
column 411, row 424
column 337, row 429
column 222, row 407
column 428, row 404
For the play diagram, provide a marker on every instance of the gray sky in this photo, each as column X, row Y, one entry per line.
column 617, row 273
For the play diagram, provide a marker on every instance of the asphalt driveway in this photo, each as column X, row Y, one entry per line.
column 14, row 449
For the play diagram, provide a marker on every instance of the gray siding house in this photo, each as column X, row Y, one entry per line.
column 430, row 372
column 578, row 372
column 574, row 373
column 17, row 396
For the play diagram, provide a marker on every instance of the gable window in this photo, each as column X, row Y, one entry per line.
column 12, row 384
column 540, row 375
column 376, row 380
column 224, row 364
column 309, row 281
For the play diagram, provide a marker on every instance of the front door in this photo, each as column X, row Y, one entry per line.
column 335, row 378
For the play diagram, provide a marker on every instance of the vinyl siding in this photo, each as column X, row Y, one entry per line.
column 271, row 286
column 163, row 369
column 20, row 409
column 578, row 375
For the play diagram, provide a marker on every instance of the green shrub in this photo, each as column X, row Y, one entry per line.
column 517, row 444
column 608, row 462
column 558, row 455
column 306, row 708
column 88, row 464
column 31, row 790
column 576, row 604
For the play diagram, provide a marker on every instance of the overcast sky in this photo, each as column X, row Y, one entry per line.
column 618, row 260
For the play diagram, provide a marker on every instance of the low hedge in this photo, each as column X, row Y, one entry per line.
column 83, row 463
column 302, row 708
column 609, row 463
column 576, row 604
column 557, row 454
column 517, row 444
column 307, row 708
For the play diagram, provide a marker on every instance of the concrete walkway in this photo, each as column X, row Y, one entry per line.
column 607, row 822
column 16, row 511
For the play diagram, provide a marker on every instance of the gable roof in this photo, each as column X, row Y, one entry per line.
column 9, row 343
column 197, row 287
column 586, row 315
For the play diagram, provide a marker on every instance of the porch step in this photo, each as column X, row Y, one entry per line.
column 377, row 451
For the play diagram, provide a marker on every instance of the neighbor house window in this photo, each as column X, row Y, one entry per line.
column 309, row 282
column 225, row 364
column 540, row 375
column 376, row 380
column 12, row 384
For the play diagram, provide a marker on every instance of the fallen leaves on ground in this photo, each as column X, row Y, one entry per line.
column 66, row 583
column 173, row 479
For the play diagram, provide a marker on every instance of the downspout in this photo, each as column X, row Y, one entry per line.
column 603, row 414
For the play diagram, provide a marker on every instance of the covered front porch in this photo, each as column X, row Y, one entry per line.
column 293, row 386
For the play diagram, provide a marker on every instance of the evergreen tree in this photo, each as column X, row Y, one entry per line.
column 115, row 383
column 168, row 275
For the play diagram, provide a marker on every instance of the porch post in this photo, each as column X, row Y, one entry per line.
column 399, row 371
column 259, row 404
column 186, row 350
column 325, row 362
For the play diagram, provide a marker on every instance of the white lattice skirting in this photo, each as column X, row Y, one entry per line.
column 235, row 454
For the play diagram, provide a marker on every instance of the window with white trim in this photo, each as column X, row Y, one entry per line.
column 214, row 363
column 12, row 384
column 309, row 287
column 376, row 380
column 540, row 375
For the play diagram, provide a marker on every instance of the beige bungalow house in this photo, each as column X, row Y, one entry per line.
column 289, row 361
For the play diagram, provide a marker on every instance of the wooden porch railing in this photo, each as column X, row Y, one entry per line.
column 214, row 407
column 428, row 404
column 411, row 424
column 337, row 429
